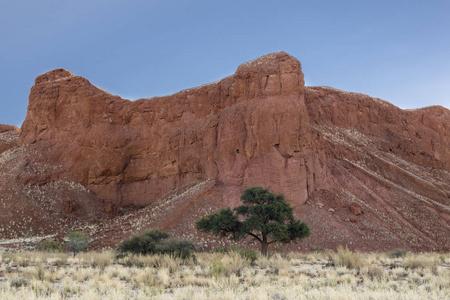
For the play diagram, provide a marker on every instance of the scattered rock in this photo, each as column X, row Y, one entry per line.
column 179, row 157
column 356, row 209
column 70, row 206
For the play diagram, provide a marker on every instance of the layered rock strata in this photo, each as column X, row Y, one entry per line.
column 360, row 171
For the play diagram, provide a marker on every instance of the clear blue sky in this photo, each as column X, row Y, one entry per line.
column 395, row 50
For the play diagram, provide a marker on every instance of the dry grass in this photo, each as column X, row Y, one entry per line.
column 347, row 258
column 340, row 275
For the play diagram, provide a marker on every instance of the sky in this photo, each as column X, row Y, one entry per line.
column 398, row 51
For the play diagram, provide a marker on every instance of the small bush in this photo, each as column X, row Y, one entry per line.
column 175, row 248
column 397, row 253
column 376, row 272
column 249, row 254
column 76, row 242
column 246, row 253
column 143, row 243
column 99, row 260
column 49, row 245
column 217, row 269
column 278, row 263
column 420, row 261
column 156, row 242
column 314, row 248
column 345, row 257
column 18, row 282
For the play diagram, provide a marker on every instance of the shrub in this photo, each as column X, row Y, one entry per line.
column 420, row 261
column 246, row 253
column 49, row 245
column 143, row 243
column 76, row 242
column 376, row 272
column 397, row 253
column 217, row 269
column 314, row 248
column 345, row 257
column 99, row 260
column 226, row 264
column 175, row 248
column 18, row 282
column 156, row 242
column 249, row 254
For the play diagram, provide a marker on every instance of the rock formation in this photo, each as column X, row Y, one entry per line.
column 359, row 170
column 8, row 137
column 6, row 128
column 250, row 128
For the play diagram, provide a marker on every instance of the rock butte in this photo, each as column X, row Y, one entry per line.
column 359, row 170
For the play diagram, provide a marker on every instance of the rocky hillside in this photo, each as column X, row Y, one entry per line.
column 359, row 170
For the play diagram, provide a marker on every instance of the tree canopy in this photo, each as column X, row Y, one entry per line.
column 76, row 242
column 266, row 217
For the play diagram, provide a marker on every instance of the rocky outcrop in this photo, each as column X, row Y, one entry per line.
column 8, row 137
column 360, row 171
column 250, row 128
column 7, row 128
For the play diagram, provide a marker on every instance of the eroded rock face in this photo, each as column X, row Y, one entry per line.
column 9, row 135
column 250, row 128
column 360, row 171
column 6, row 128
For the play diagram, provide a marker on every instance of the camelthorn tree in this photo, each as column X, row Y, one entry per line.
column 266, row 217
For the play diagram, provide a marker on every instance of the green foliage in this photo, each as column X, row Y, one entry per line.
column 76, row 242
column 49, row 245
column 224, row 224
column 146, row 243
column 175, row 248
column 266, row 217
column 397, row 253
column 315, row 249
column 156, row 242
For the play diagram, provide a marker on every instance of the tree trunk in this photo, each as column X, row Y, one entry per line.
column 264, row 246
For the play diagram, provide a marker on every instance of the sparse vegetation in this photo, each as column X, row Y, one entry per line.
column 246, row 253
column 397, row 253
column 224, row 275
column 267, row 218
column 49, row 245
column 346, row 258
column 76, row 242
column 156, row 242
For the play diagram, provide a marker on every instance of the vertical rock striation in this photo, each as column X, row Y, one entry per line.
column 250, row 128
column 360, row 171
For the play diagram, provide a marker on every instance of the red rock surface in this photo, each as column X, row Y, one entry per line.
column 359, row 170
column 8, row 137
column 238, row 130
column 6, row 128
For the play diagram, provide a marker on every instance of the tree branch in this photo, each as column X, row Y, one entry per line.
column 255, row 236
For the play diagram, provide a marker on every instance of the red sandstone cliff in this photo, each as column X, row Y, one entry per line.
column 359, row 170
column 250, row 128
